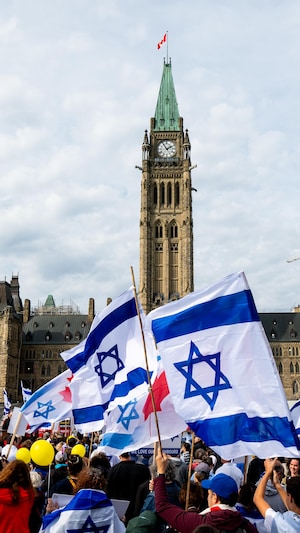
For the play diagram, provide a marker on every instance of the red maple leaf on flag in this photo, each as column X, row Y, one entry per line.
column 160, row 391
column 66, row 393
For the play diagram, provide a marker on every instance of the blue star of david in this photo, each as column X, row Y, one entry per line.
column 192, row 388
column 112, row 358
column 132, row 415
column 89, row 526
column 48, row 408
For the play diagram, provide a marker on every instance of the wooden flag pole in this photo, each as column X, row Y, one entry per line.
column 146, row 360
column 188, row 488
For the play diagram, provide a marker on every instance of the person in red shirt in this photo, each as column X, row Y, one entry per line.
column 16, row 498
column 221, row 513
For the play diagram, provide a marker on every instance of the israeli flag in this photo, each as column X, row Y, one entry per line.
column 26, row 392
column 7, row 403
column 90, row 511
column 109, row 367
column 221, row 371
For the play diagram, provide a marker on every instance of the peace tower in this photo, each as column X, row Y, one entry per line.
column 166, row 225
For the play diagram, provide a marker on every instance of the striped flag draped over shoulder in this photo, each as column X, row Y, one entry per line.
column 221, row 371
column 89, row 511
column 109, row 366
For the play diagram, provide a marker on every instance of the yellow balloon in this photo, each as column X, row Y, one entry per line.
column 23, row 454
column 42, row 452
column 78, row 449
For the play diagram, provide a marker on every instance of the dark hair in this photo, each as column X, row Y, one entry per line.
column 15, row 475
column 293, row 488
column 100, row 460
column 289, row 462
column 91, row 478
column 231, row 500
column 246, row 494
column 196, row 496
column 75, row 464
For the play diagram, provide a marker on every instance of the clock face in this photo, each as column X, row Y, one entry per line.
column 166, row 149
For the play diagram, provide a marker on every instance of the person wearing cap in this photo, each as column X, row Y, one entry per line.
column 289, row 521
column 221, row 513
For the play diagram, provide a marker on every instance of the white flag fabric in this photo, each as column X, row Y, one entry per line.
column 221, row 371
column 50, row 403
column 133, row 426
column 7, row 403
column 26, row 392
column 295, row 412
column 109, row 366
column 89, row 511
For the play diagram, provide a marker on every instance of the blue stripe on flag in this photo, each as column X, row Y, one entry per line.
column 134, row 378
column 106, row 325
column 222, row 311
column 119, row 441
column 92, row 413
column 226, row 430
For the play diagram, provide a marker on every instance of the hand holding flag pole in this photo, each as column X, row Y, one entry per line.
column 146, row 361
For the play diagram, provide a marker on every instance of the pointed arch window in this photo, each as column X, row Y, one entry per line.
column 162, row 194
column 177, row 194
column 48, row 372
column 43, row 370
column 280, row 368
column 158, row 230
column 297, row 368
column 155, row 194
column 295, row 387
column 169, row 194
column 291, row 368
column 173, row 230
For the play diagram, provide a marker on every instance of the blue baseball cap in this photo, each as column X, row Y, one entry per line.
column 221, row 484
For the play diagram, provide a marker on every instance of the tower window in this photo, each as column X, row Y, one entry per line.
column 295, row 387
column 173, row 231
column 169, row 194
column 162, row 194
column 155, row 194
column 158, row 231
column 177, row 194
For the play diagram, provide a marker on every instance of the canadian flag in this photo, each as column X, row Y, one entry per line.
column 164, row 40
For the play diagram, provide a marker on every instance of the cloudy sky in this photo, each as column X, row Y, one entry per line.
column 79, row 81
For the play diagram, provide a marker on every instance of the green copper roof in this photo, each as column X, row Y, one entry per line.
column 166, row 112
column 50, row 301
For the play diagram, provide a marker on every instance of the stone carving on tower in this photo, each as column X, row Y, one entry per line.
column 166, row 225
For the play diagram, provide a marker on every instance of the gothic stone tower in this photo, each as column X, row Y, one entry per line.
column 166, row 226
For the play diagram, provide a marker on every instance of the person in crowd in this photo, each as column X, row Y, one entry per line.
column 35, row 519
column 196, row 498
column 247, row 508
column 289, row 521
column 221, row 513
column 57, row 473
column 231, row 469
column 9, row 450
column 185, row 452
column 272, row 495
column 206, row 529
column 124, row 479
column 89, row 510
column 16, row 497
column 293, row 467
column 255, row 470
column 100, row 460
column 67, row 484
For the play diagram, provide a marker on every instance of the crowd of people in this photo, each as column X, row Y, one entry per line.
column 195, row 492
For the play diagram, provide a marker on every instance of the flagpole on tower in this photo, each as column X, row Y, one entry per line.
column 146, row 360
column 167, row 33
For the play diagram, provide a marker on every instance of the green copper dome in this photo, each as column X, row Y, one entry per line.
column 166, row 112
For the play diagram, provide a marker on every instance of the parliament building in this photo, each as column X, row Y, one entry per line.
column 31, row 340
